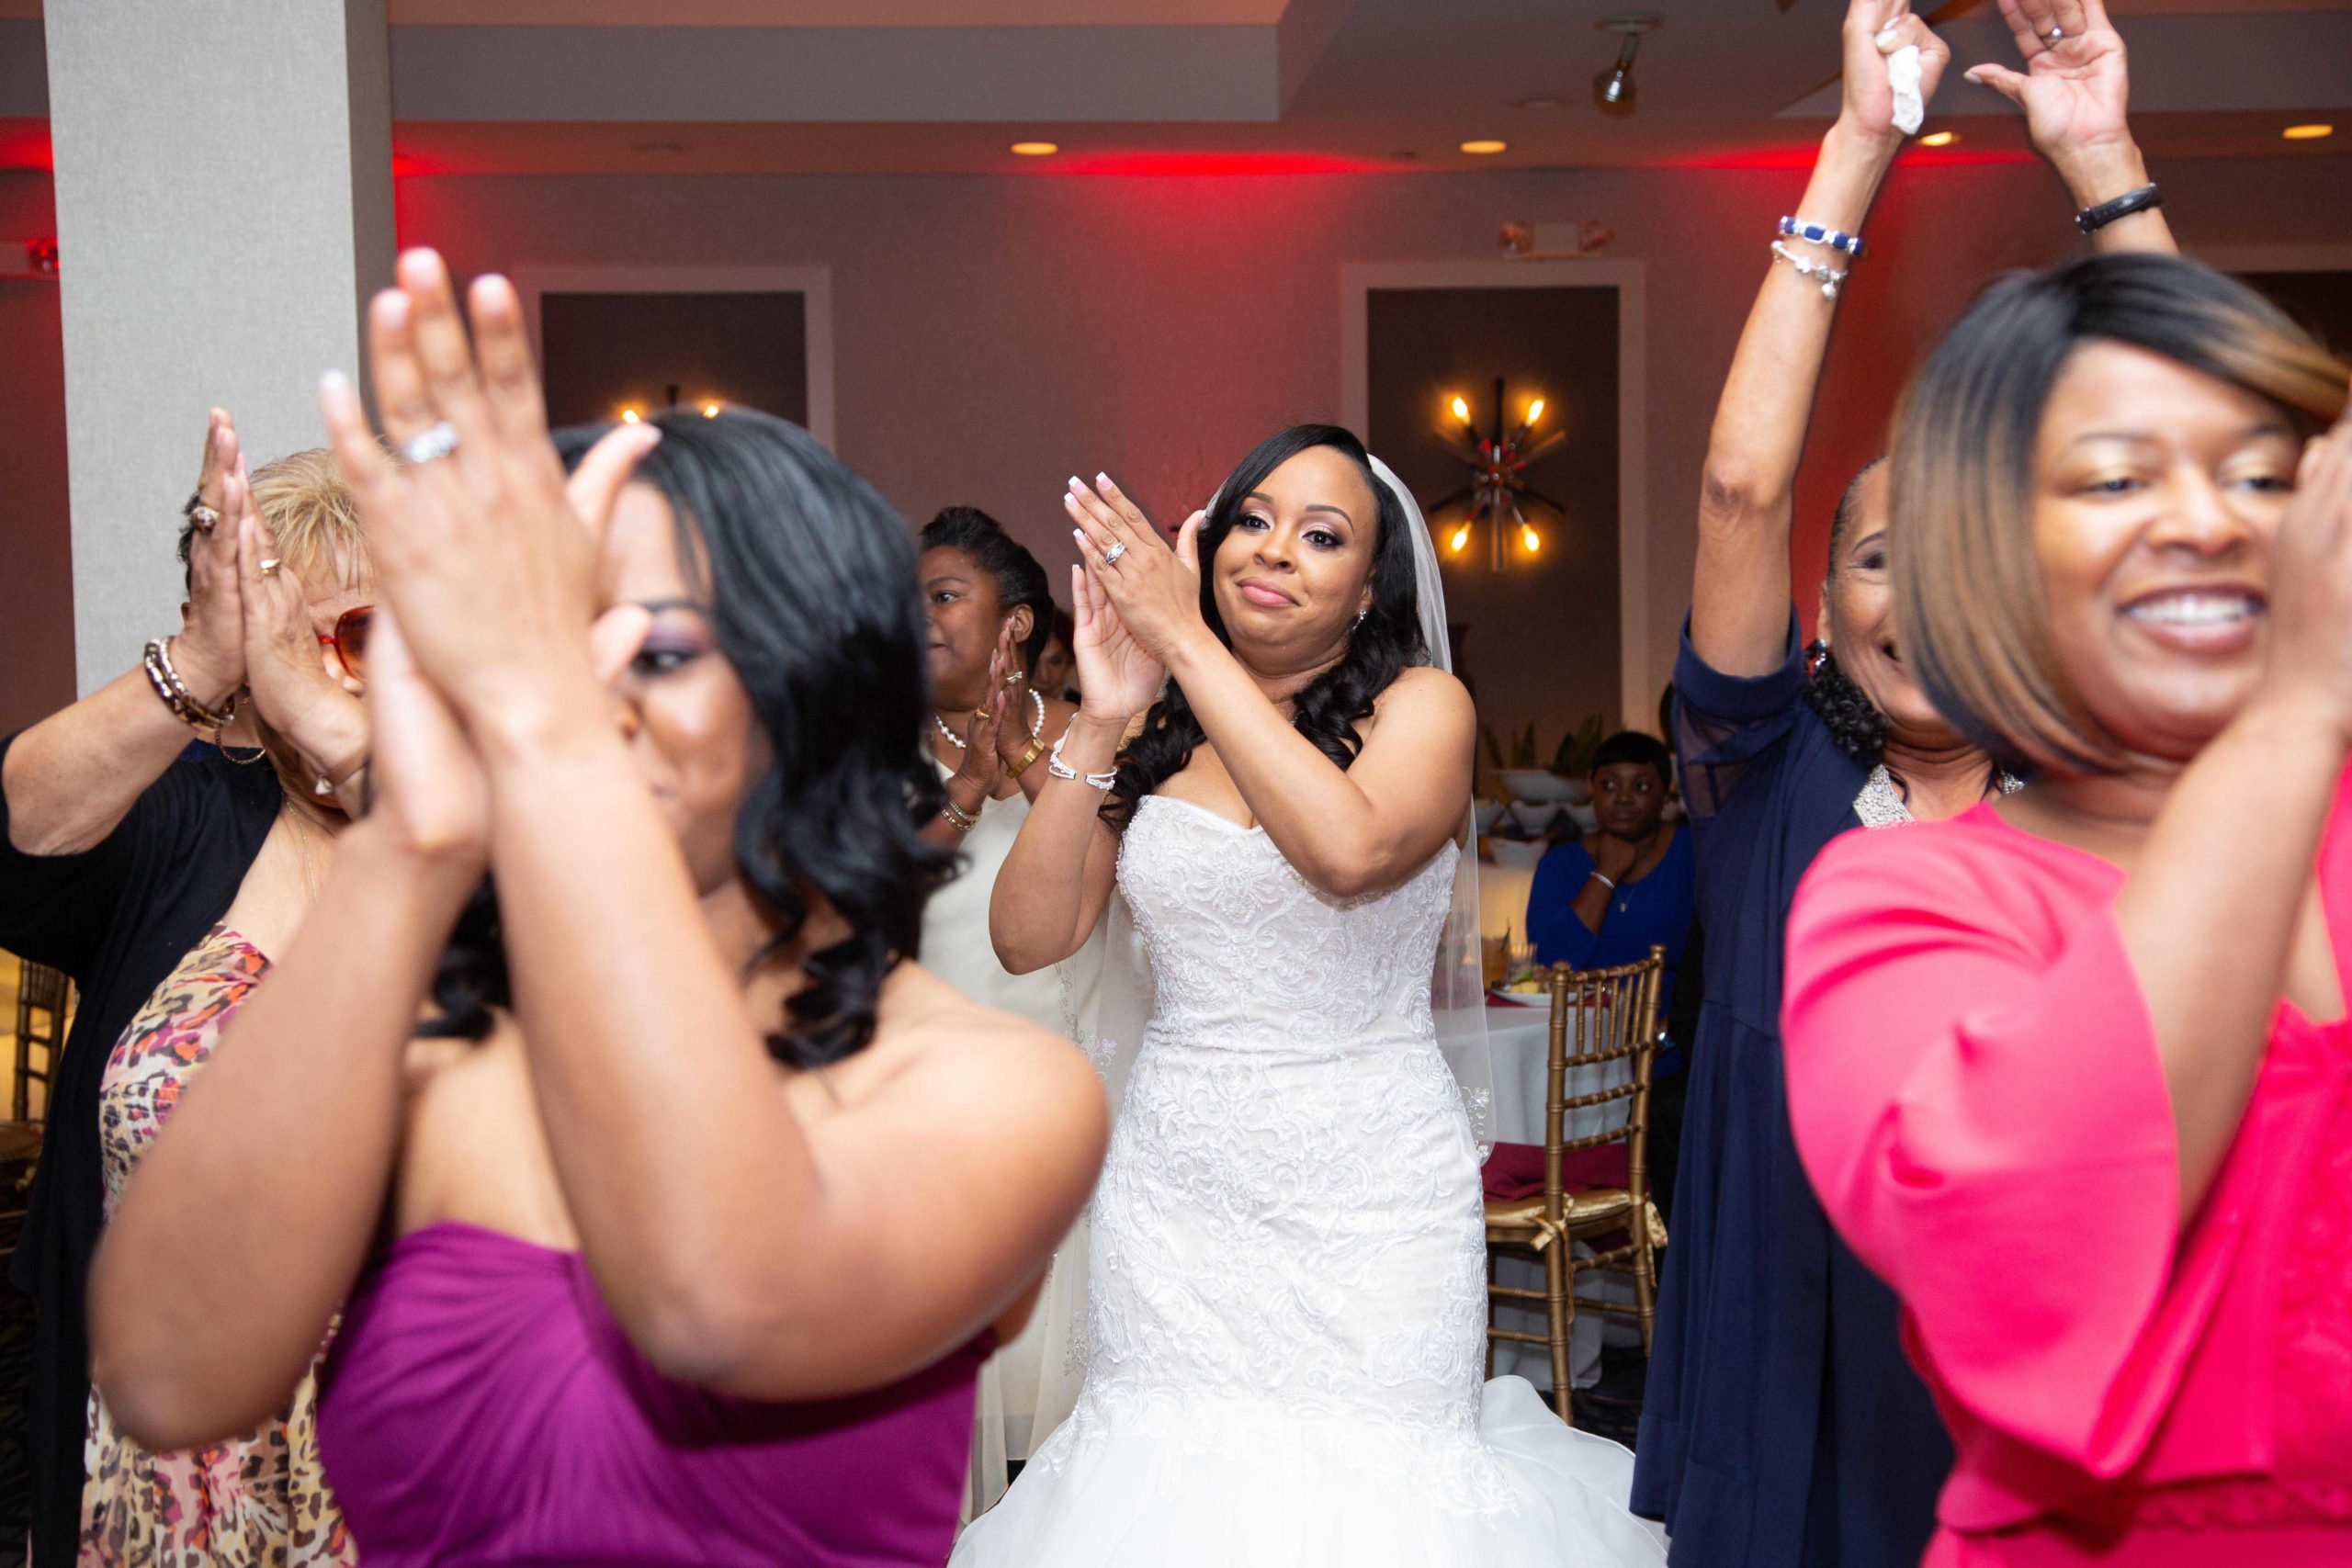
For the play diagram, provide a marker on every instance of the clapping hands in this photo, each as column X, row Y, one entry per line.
column 1135, row 599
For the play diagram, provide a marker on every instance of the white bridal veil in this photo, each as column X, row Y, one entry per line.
column 1111, row 1028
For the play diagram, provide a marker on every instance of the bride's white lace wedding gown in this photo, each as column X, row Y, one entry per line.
column 1285, row 1330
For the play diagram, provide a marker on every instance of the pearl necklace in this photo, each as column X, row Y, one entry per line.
column 1037, row 723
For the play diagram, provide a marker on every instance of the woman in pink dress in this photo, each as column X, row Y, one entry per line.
column 2070, row 1070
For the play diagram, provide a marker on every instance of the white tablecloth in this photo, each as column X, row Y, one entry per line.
column 1521, row 1039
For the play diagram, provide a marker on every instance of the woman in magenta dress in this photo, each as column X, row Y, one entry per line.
column 680, row 1236
column 2070, row 1070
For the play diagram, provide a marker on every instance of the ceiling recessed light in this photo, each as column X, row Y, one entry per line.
column 2307, row 132
column 1036, row 148
column 1940, row 139
column 1484, row 149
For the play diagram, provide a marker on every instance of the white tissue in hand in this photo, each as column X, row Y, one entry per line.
column 1903, row 76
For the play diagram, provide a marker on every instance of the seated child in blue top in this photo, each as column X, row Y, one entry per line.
column 1606, row 897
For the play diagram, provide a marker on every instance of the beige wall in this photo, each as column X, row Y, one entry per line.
column 997, row 335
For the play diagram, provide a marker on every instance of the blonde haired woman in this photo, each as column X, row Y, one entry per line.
column 162, row 877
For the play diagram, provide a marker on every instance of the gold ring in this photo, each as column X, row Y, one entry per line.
column 269, row 567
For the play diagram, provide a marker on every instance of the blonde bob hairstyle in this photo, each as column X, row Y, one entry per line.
column 1969, row 597
column 311, row 513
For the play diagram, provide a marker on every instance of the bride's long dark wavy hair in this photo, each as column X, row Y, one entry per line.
column 811, row 582
column 1387, row 640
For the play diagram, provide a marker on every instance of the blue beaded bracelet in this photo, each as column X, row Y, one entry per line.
column 1822, row 234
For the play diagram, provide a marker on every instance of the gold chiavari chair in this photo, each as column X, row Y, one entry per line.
column 1600, row 1018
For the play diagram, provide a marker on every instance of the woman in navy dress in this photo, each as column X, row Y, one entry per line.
column 1782, row 1425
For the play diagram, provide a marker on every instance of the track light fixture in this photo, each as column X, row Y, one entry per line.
column 1612, row 90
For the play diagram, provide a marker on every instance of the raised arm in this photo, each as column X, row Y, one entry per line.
column 1740, row 599
column 741, row 1244
column 245, row 1224
column 2075, row 92
column 72, row 778
column 1051, row 891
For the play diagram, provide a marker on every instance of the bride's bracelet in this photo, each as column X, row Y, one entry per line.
column 1061, row 770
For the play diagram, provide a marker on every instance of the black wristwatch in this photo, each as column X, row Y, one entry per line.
column 2091, row 219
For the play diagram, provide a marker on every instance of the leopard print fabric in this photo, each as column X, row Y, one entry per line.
column 259, row 1501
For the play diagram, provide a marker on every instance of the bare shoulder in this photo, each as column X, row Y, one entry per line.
column 929, row 1030
column 1427, row 697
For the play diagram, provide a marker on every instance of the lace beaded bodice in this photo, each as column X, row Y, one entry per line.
column 1242, row 946
column 1288, row 1227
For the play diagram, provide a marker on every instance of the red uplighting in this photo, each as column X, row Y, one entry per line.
column 1213, row 164
column 24, row 144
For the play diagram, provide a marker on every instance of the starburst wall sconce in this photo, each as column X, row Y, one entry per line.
column 1497, row 497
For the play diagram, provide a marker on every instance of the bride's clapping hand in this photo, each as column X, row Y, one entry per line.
column 478, row 539
column 1117, row 679
column 1156, row 591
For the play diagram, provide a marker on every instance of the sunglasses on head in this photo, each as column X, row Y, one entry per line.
column 349, row 639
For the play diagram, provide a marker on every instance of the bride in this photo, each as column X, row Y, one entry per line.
column 1287, row 1288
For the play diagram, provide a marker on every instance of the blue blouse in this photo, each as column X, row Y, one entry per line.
column 1654, row 911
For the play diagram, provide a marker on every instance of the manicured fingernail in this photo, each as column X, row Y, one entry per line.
column 1079, row 538
column 1102, row 479
column 1078, row 484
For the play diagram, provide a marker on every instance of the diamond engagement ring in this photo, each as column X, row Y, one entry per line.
column 427, row 445
column 2054, row 37
column 1111, row 557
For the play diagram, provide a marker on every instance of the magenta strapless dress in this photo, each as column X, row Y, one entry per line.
column 481, row 1406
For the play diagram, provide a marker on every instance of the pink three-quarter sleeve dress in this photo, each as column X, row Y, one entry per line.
column 1975, row 1092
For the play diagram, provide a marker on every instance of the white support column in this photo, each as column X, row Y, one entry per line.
column 224, row 209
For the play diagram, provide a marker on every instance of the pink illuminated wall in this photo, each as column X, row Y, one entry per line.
column 995, row 336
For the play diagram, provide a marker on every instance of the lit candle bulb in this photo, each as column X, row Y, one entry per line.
column 710, row 410
column 1461, row 539
column 628, row 416
column 1529, row 538
column 1462, row 411
column 1535, row 411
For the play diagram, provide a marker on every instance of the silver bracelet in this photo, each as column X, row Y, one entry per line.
column 1603, row 880
column 1061, row 770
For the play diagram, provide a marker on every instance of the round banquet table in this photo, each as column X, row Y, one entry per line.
column 1521, row 1038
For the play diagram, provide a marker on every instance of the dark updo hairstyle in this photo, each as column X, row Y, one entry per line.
column 1018, row 579
column 1855, row 726
column 1387, row 640
column 809, row 577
